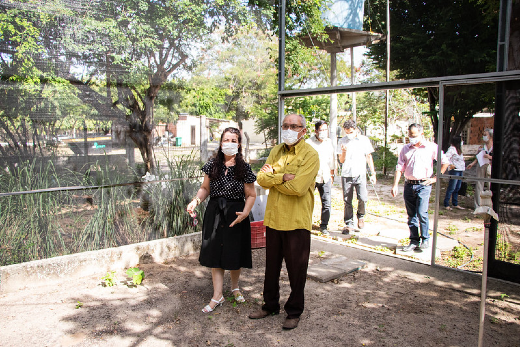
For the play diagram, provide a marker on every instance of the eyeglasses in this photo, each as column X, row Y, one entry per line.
column 291, row 126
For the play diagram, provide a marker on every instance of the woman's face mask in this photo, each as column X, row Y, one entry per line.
column 485, row 138
column 229, row 148
column 290, row 137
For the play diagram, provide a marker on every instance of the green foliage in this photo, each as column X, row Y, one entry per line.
column 79, row 304
column 136, row 274
column 503, row 296
column 390, row 160
column 505, row 252
column 441, row 38
column 452, row 227
column 43, row 225
column 110, row 279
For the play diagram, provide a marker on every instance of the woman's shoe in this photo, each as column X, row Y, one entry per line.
column 448, row 208
column 208, row 309
column 459, row 207
column 238, row 296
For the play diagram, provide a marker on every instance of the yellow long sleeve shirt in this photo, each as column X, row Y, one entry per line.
column 290, row 204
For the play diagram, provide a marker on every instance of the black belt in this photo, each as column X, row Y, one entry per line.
column 414, row 181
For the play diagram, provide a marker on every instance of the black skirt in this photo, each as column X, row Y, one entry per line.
column 224, row 247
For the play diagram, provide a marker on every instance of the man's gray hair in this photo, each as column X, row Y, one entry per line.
column 303, row 121
column 489, row 131
column 417, row 126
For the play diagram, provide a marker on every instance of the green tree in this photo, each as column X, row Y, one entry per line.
column 116, row 54
column 33, row 100
column 136, row 45
column 301, row 17
column 441, row 38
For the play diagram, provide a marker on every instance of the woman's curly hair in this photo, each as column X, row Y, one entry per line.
column 240, row 164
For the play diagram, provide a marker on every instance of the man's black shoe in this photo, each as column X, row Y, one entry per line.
column 410, row 247
column 425, row 245
column 346, row 230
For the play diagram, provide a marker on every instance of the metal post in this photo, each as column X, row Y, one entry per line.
column 352, row 74
column 281, row 66
column 387, row 96
column 204, row 155
column 438, row 183
column 333, row 101
column 483, row 291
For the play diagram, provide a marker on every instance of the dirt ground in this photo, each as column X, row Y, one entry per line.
column 391, row 302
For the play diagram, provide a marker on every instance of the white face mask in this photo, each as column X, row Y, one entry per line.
column 289, row 137
column 323, row 134
column 351, row 136
column 415, row 140
column 229, row 148
column 485, row 138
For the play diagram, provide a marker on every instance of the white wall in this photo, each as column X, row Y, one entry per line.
column 249, row 127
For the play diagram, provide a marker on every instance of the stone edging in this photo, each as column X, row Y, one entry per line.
column 47, row 271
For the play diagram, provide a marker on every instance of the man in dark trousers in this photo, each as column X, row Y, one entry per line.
column 416, row 162
column 289, row 173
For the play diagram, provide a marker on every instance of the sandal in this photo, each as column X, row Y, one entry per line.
column 238, row 296
column 208, row 309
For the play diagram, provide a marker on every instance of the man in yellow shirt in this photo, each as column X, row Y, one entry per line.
column 289, row 174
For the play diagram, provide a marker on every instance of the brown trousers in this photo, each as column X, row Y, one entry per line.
column 294, row 246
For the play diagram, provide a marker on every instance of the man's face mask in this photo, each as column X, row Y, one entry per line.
column 323, row 134
column 290, row 137
column 415, row 140
column 351, row 136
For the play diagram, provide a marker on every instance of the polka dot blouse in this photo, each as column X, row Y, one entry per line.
column 226, row 185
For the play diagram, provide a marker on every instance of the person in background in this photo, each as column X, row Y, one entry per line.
column 226, row 231
column 323, row 145
column 355, row 152
column 456, row 167
column 416, row 162
column 483, row 170
column 289, row 173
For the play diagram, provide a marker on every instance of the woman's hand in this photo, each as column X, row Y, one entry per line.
column 240, row 217
column 191, row 208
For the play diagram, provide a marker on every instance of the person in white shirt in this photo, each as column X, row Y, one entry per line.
column 483, row 169
column 456, row 167
column 321, row 142
column 355, row 152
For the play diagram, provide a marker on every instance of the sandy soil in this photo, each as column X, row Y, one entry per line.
column 382, row 305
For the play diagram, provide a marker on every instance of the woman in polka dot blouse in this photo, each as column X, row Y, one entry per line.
column 226, row 232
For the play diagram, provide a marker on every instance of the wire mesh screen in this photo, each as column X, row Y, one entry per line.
column 87, row 108
column 508, row 230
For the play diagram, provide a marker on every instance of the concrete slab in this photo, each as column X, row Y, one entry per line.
column 397, row 234
column 378, row 241
column 349, row 265
column 324, row 273
column 334, row 259
column 423, row 256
